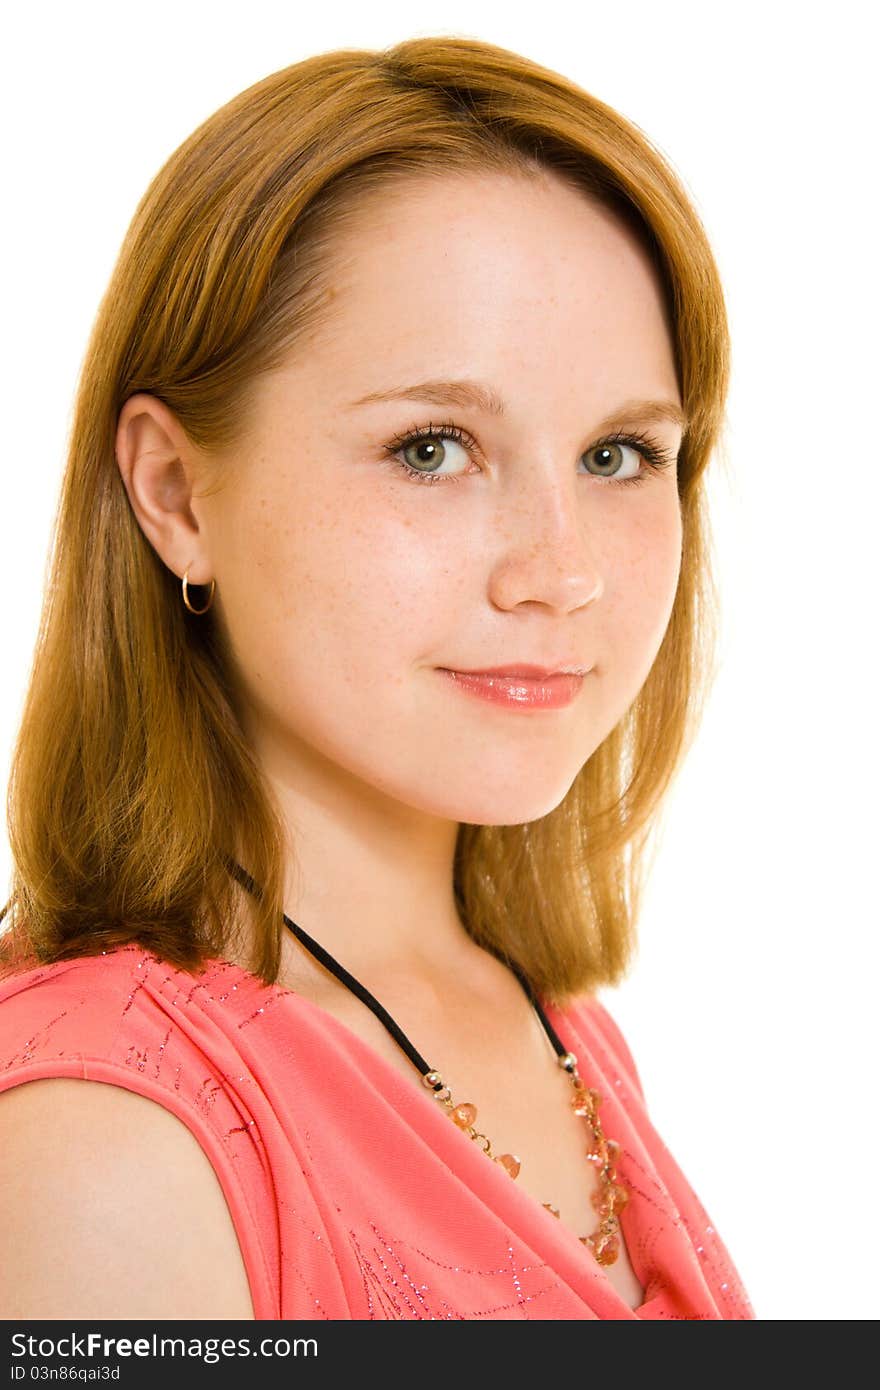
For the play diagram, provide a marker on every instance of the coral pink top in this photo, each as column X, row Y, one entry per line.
column 352, row 1193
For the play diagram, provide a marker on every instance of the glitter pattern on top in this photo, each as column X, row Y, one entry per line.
column 351, row 1194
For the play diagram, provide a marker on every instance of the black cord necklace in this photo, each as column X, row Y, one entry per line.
column 610, row 1197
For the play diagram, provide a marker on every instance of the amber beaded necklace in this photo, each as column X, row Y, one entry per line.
column 611, row 1196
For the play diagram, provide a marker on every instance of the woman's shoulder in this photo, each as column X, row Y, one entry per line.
column 126, row 1003
column 151, row 1033
column 82, row 1006
column 78, row 1001
column 131, row 1019
column 127, row 1017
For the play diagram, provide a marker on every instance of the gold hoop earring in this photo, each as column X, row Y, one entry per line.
column 186, row 600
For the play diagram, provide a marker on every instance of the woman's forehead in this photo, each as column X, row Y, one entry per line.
column 522, row 280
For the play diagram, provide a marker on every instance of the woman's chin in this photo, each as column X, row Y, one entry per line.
column 502, row 805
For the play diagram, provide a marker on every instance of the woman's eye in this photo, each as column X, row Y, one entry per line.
column 607, row 460
column 430, row 454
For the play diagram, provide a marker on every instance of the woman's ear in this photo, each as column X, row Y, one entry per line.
column 158, row 467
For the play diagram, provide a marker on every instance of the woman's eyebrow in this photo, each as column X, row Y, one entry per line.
column 479, row 396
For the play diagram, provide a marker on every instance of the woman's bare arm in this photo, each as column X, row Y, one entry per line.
column 110, row 1208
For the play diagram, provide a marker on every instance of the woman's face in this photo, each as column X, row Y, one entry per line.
column 348, row 587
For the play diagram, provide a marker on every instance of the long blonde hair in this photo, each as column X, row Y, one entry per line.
column 131, row 779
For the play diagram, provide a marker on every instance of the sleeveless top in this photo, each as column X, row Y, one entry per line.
column 352, row 1194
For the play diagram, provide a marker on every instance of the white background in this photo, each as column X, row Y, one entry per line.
column 751, row 1008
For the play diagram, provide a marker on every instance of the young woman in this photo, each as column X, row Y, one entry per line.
column 376, row 629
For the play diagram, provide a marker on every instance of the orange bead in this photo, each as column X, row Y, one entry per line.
column 613, row 1150
column 581, row 1103
column 620, row 1195
column 607, row 1249
column 510, row 1162
column 464, row 1114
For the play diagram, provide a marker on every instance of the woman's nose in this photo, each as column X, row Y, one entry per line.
column 548, row 554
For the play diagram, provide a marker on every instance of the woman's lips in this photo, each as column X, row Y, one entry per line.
column 518, row 692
